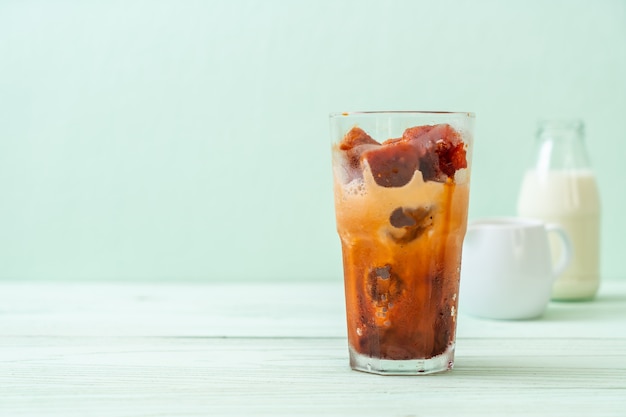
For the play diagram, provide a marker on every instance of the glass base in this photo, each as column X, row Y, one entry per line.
column 439, row 363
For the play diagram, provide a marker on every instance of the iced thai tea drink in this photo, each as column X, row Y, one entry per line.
column 401, row 182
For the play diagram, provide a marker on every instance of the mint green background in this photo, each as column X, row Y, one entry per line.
column 187, row 140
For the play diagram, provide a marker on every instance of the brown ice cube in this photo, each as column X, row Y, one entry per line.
column 356, row 137
column 440, row 150
column 413, row 221
column 392, row 164
column 383, row 285
column 354, row 144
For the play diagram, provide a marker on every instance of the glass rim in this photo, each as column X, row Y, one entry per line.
column 402, row 112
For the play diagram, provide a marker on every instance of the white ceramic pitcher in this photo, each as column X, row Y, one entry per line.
column 507, row 270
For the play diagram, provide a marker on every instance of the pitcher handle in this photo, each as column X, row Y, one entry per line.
column 566, row 252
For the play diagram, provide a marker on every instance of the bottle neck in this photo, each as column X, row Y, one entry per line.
column 561, row 146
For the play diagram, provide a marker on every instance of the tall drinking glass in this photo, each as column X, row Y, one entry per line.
column 401, row 182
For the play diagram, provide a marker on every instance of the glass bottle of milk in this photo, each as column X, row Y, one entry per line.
column 560, row 187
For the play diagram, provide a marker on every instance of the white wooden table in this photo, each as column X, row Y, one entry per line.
column 82, row 349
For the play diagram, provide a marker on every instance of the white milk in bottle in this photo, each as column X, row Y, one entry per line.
column 560, row 187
